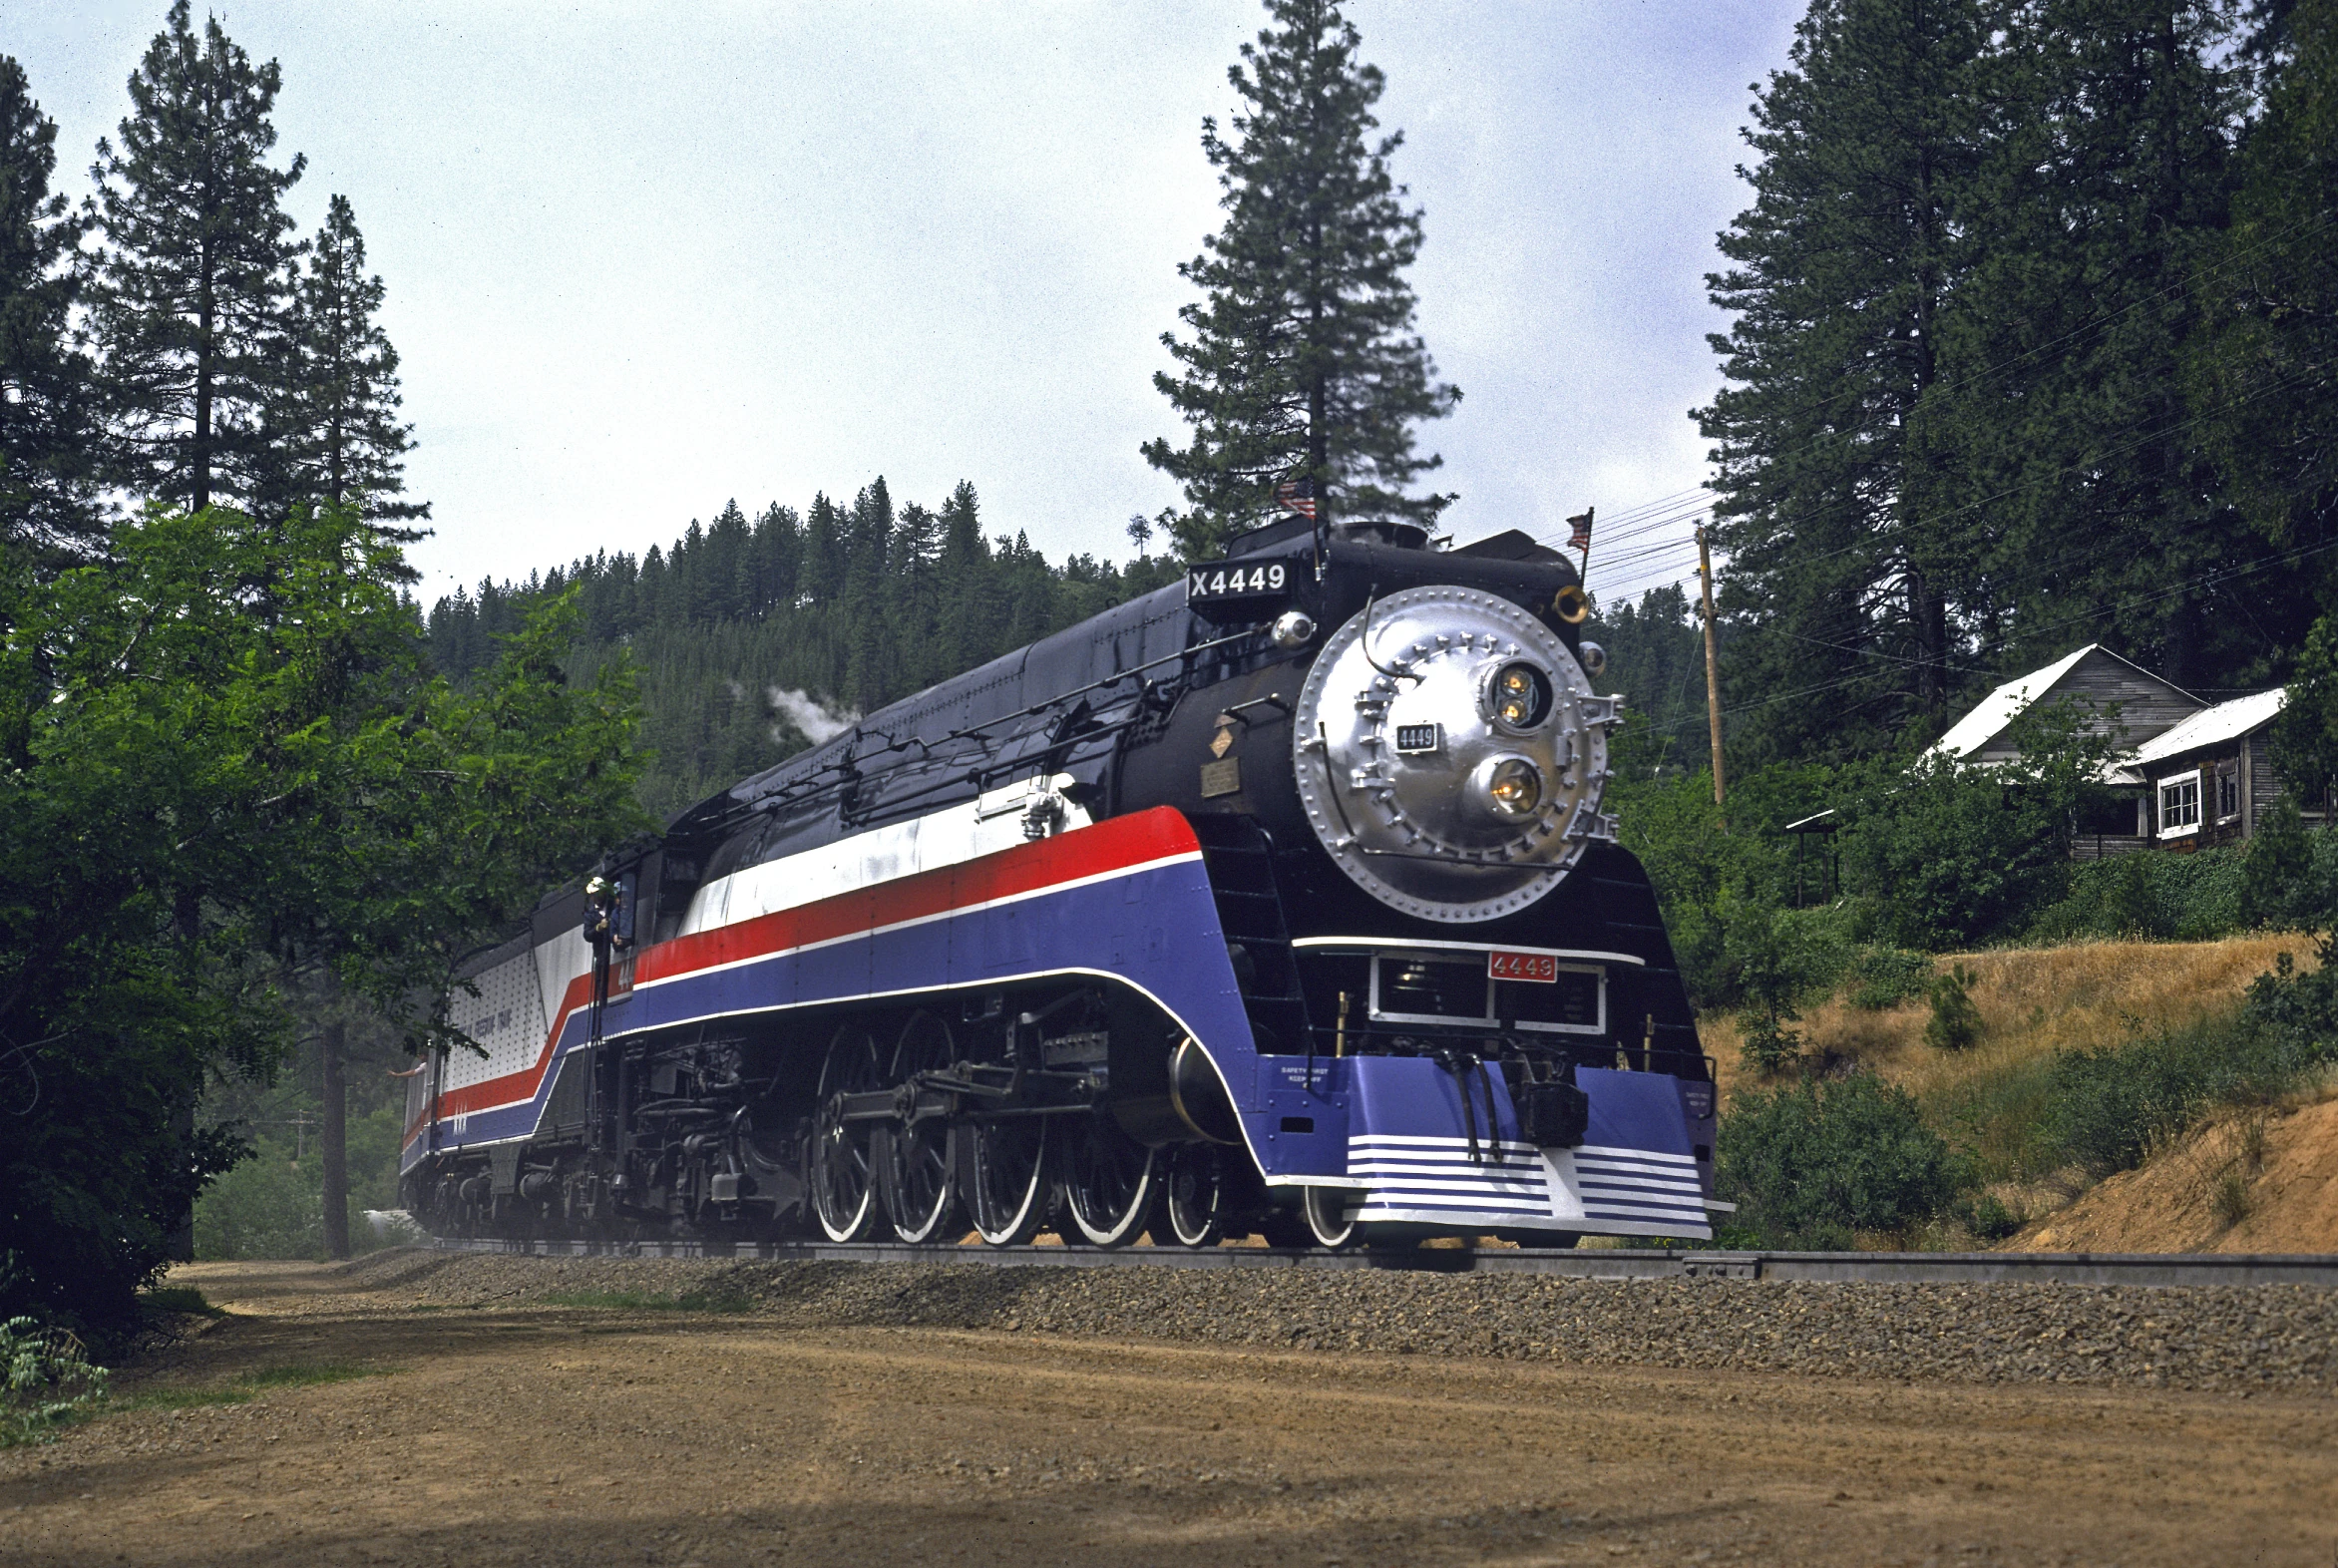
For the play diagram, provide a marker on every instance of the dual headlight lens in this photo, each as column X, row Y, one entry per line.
column 1519, row 697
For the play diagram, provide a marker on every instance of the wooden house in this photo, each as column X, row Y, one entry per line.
column 2191, row 774
column 2145, row 705
column 2209, row 779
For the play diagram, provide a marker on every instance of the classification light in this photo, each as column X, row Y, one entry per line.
column 1519, row 696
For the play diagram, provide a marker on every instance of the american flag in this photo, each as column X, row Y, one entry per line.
column 1298, row 495
column 1580, row 539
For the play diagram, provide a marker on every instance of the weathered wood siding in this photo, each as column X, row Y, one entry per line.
column 2264, row 786
column 2148, row 705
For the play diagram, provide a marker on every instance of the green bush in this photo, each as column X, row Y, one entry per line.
column 2151, row 894
column 2297, row 1011
column 272, row 1206
column 1811, row 1163
column 2107, row 1107
column 267, row 1206
column 1881, row 978
column 1955, row 1023
column 48, row 1379
column 1989, row 1219
column 2289, row 874
column 1949, row 855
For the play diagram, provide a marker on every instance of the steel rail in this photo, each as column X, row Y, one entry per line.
column 1620, row 1263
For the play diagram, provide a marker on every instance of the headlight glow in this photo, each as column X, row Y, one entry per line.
column 1516, row 787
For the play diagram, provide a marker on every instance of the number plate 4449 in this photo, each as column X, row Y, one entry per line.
column 1214, row 580
column 1539, row 967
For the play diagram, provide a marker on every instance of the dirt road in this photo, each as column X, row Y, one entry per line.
column 592, row 1436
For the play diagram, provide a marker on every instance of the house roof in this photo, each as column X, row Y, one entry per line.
column 2002, row 706
column 2210, row 726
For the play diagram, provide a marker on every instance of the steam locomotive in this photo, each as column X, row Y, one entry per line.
column 1279, row 901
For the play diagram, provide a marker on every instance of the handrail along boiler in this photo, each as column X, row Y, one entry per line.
column 1280, row 900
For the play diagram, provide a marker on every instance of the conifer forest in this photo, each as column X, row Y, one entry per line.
column 2026, row 337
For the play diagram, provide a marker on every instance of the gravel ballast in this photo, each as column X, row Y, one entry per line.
column 2272, row 1337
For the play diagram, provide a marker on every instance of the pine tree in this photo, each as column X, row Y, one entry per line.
column 1836, row 492
column 190, row 305
column 1303, row 359
column 2266, row 367
column 337, row 435
column 2108, row 188
column 49, row 427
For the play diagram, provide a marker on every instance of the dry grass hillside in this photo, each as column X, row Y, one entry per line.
column 2034, row 1002
column 2257, row 1181
column 2261, row 1180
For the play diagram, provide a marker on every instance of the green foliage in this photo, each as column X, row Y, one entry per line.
column 1769, row 966
column 270, row 1205
column 1656, row 655
column 335, row 433
column 1811, row 1163
column 1947, row 855
column 2109, row 1106
column 1881, row 978
column 2259, row 371
column 1955, row 1023
column 2014, row 341
column 2181, row 898
column 49, row 1380
column 2279, row 882
column 2305, row 733
column 225, row 757
column 1304, row 356
column 1844, row 288
column 1989, row 1219
column 2297, row 1011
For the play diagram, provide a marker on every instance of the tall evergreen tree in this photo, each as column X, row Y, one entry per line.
column 337, row 436
column 2108, row 188
column 1304, row 359
column 1836, row 491
column 49, row 424
column 189, row 307
column 2266, row 369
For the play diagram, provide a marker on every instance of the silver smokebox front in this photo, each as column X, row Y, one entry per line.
column 1450, row 754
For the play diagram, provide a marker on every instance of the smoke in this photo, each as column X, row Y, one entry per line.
column 816, row 719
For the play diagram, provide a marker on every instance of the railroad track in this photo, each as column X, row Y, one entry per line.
column 1919, row 1267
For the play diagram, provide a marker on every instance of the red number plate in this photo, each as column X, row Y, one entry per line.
column 1540, row 967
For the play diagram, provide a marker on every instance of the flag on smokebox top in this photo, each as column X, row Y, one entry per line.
column 1298, row 495
column 1580, row 539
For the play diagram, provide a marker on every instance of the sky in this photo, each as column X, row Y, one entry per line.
column 643, row 260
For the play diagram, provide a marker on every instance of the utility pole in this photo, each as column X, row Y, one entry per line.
column 1711, row 659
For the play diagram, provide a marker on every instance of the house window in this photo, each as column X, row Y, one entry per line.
column 2227, row 793
column 2180, row 806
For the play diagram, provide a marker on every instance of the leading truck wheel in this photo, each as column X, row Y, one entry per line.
column 1111, row 1183
column 1330, row 1219
column 844, row 1153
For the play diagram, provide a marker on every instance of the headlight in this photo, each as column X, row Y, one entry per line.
column 1512, row 786
column 1519, row 697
